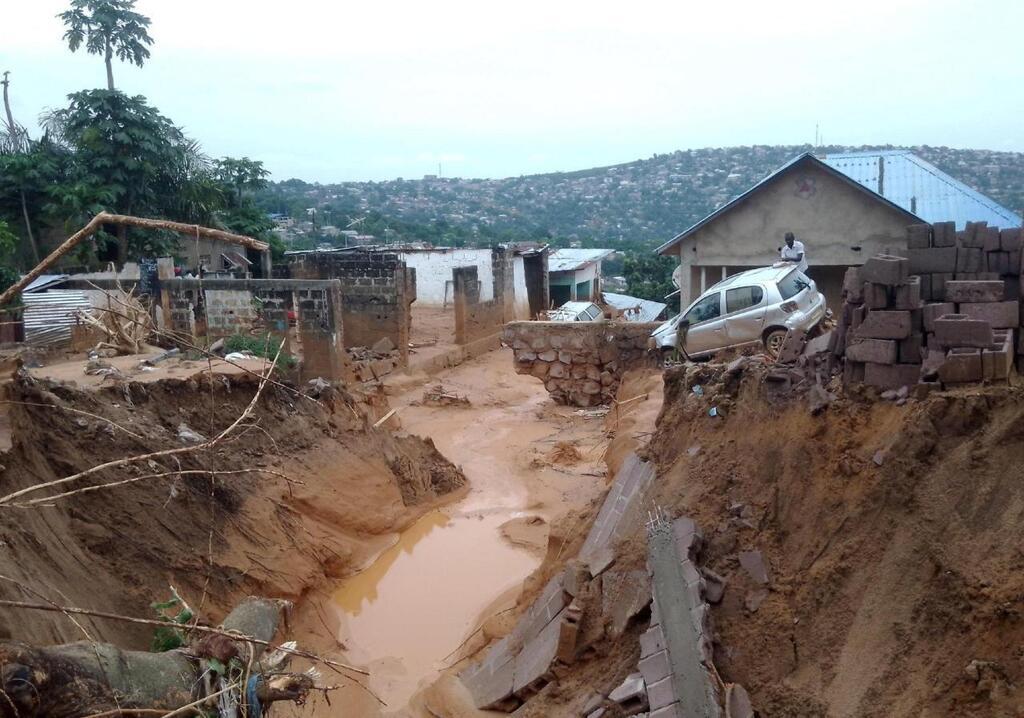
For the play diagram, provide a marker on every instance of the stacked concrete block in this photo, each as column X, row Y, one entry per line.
column 939, row 254
column 881, row 327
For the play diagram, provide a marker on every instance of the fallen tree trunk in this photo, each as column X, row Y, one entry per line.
column 81, row 679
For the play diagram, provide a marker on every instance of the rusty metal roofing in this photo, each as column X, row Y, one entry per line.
column 49, row 316
column 921, row 188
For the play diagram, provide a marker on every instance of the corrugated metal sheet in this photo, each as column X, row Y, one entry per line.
column 634, row 308
column 921, row 188
column 566, row 260
column 50, row 315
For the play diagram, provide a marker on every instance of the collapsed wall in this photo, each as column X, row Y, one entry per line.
column 580, row 363
column 377, row 290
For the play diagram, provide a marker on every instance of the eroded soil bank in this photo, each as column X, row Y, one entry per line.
column 452, row 579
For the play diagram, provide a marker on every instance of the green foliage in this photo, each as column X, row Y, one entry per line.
column 176, row 613
column 649, row 276
column 263, row 346
column 108, row 28
column 241, row 175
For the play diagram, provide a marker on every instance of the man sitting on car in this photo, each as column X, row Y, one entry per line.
column 794, row 252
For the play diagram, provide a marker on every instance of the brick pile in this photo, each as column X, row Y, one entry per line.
column 881, row 325
column 949, row 312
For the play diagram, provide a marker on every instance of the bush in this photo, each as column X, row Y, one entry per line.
column 264, row 346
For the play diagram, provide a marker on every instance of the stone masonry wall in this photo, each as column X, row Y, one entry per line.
column 375, row 289
column 580, row 363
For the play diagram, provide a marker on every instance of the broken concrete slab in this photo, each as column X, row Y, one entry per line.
column 737, row 702
column 620, row 505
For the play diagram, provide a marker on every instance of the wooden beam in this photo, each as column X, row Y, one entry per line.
column 103, row 218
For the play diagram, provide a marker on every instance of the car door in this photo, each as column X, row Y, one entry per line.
column 706, row 331
column 745, row 310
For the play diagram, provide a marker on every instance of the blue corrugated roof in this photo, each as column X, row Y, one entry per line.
column 909, row 182
column 805, row 157
column 921, row 188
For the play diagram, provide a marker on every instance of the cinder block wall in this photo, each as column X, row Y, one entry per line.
column 476, row 319
column 580, row 363
column 375, row 297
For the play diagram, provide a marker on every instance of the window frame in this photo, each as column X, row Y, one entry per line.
column 759, row 287
column 693, row 306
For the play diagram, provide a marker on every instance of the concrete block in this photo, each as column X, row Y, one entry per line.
column 962, row 365
column 939, row 285
column 655, row 667
column 919, row 236
column 880, row 324
column 974, row 235
column 989, row 237
column 933, row 311
column 631, row 694
column 944, row 234
column 997, row 362
column 960, row 330
column 1001, row 315
column 876, row 296
column 792, row 347
column 884, row 269
column 936, row 259
column 908, row 294
column 853, row 372
column 970, row 259
column 910, row 350
column 535, row 659
column 977, row 291
column 891, row 376
column 623, row 595
column 1009, row 239
column 661, row 694
column 853, row 286
column 689, row 537
column 651, row 641
column 926, row 287
column 879, row 351
column 857, row 315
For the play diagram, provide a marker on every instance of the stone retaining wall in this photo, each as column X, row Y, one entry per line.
column 580, row 363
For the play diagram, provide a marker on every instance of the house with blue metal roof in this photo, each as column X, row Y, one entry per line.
column 844, row 208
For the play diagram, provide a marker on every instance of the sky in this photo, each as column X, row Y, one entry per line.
column 332, row 91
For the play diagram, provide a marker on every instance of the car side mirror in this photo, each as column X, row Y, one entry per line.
column 684, row 323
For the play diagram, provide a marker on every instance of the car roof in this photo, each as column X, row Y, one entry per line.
column 760, row 275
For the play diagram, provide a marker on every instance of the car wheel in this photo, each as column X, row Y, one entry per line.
column 774, row 340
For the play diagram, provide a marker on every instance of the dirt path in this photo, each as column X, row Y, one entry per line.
column 414, row 606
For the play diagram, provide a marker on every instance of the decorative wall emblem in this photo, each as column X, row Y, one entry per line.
column 806, row 187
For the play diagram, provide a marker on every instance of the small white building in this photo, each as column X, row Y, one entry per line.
column 575, row 275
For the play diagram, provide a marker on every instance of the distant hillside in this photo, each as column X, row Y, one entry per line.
column 642, row 202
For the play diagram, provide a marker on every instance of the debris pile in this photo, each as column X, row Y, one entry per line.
column 376, row 362
column 437, row 395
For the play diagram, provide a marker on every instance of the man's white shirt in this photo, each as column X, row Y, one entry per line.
column 795, row 251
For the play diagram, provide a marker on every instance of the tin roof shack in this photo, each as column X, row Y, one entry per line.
column 844, row 209
column 574, row 275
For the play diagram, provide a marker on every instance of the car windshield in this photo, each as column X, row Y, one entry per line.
column 792, row 284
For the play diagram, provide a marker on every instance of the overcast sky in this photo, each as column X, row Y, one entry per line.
column 326, row 90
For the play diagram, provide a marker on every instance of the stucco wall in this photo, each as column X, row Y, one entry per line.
column 829, row 216
column 434, row 269
column 521, row 304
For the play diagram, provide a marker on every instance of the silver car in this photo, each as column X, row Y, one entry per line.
column 759, row 305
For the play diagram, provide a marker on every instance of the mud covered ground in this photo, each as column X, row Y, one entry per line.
column 215, row 538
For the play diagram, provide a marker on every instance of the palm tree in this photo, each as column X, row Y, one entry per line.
column 108, row 28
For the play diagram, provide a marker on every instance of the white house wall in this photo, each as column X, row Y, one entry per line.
column 522, row 300
column 434, row 272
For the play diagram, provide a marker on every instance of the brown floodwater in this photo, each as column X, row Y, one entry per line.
column 412, row 607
